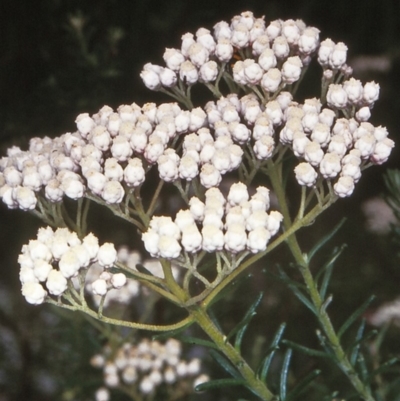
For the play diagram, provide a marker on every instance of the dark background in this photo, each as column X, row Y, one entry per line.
column 49, row 73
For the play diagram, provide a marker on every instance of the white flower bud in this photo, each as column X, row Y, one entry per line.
column 134, row 173
column 31, row 178
column 169, row 247
column 366, row 145
column 213, row 238
column 107, row 255
column 167, row 168
column 313, row 153
column 118, row 280
column 354, row 90
column 363, row 114
column 188, row 168
column 238, row 73
column 41, row 269
column 271, row 80
column 344, row 186
column 25, row 198
column 95, row 181
column 258, row 218
column 382, row 151
column 291, row 31
column 264, row 147
column 309, row 40
column 210, row 176
column 292, row 125
column 33, row 293
column 224, row 50
column 150, row 78
column 274, row 221
column 338, row 145
column 146, row 385
column 198, row 118
column 12, row 176
column 99, row 287
column 56, row 283
column 208, row 72
column 168, row 78
column 188, row 73
column 26, row 274
column 121, row 149
column 352, row 169
column 173, row 59
column 73, row 187
column 85, row 124
column 150, row 239
column 300, row 141
column 274, row 112
column 191, row 238
column 240, row 35
column 102, row 394
column 113, row 192
column 281, row 47
column 267, row 59
column 91, row 243
column 252, row 72
column 38, row 250
column 325, row 50
column 237, row 194
column 100, row 138
column 305, row 174
column 336, row 96
column 321, row 134
column 257, row 240
column 69, row 264
column 196, row 208
column 187, row 41
column 291, row 69
column 198, row 54
column 338, row 56
column 235, row 238
column 330, row 165
column 327, row 116
column 371, row 92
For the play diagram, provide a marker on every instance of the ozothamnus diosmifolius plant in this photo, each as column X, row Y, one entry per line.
column 206, row 186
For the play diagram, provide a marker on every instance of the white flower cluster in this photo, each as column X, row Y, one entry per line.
column 275, row 54
column 117, row 287
column 146, row 366
column 335, row 149
column 54, row 257
column 235, row 224
column 108, row 154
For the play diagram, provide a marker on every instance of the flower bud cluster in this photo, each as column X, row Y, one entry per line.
column 48, row 262
column 276, row 54
column 147, row 366
column 117, row 288
column 234, row 224
column 335, row 149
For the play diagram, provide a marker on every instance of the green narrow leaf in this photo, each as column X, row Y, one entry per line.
column 241, row 327
column 294, row 286
column 383, row 368
column 284, row 375
column 225, row 364
column 356, row 347
column 324, row 344
column 265, row 364
column 328, row 269
column 219, row 383
column 197, row 341
column 142, row 269
column 324, row 240
column 306, row 350
column 302, row 386
column 355, row 315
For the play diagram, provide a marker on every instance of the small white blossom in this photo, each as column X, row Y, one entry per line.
column 305, row 174
column 33, row 293
column 107, row 255
column 344, row 187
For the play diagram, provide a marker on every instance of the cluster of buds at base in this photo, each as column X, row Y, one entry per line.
column 148, row 366
column 234, row 224
column 54, row 258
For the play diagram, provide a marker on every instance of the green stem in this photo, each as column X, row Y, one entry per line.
column 323, row 317
column 203, row 320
